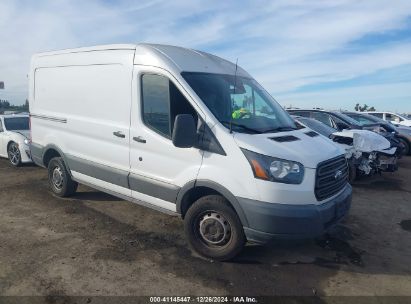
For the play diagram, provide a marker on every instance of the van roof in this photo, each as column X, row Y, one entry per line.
column 105, row 47
column 173, row 57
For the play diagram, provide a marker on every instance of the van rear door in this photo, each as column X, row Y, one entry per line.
column 158, row 168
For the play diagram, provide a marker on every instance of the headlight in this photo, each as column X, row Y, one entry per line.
column 275, row 169
column 26, row 141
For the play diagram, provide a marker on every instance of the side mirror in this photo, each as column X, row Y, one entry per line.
column 185, row 131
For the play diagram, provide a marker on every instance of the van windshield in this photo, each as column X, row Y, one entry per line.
column 17, row 123
column 240, row 102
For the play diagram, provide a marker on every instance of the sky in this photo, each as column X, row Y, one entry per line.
column 326, row 53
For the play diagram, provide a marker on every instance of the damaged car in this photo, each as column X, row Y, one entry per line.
column 402, row 133
column 339, row 121
column 367, row 152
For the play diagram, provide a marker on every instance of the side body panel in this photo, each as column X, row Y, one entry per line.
column 80, row 103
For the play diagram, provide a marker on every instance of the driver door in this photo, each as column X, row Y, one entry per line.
column 158, row 169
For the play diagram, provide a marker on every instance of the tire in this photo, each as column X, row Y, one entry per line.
column 352, row 173
column 406, row 146
column 226, row 238
column 14, row 155
column 60, row 180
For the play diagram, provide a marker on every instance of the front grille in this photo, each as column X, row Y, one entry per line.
column 331, row 177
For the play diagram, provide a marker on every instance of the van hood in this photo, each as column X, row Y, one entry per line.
column 304, row 146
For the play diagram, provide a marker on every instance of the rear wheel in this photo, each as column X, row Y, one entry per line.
column 213, row 228
column 59, row 179
column 406, row 146
column 14, row 155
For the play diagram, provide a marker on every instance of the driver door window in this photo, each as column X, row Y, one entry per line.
column 162, row 102
column 397, row 118
column 392, row 118
column 389, row 117
column 156, row 103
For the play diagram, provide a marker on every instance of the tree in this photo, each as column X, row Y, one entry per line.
column 4, row 104
column 363, row 108
column 25, row 107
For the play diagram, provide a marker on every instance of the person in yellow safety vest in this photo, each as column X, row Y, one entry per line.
column 240, row 113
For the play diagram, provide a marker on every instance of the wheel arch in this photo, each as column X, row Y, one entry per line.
column 404, row 138
column 10, row 142
column 50, row 151
column 194, row 190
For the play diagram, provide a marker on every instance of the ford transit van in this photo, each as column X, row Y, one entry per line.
column 186, row 133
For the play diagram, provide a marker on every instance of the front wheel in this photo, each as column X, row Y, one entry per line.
column 14, row 155
column 352, row 173
column 59, row 178
column 213, row 228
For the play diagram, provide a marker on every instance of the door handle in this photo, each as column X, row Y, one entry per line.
column 139, row 139
column 119, row 134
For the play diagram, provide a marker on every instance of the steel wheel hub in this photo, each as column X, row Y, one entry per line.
column 57, row 178
column 214, row 229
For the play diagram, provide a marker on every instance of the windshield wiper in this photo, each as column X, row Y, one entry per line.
column 241, row 126
column 279, row 129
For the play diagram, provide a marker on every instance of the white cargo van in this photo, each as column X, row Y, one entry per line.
column 187, row 133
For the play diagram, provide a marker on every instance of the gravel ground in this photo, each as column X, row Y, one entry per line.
column 95, row 244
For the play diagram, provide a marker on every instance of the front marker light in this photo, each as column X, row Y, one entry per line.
column 26, row 141
column 275, row 169
column 258, row 170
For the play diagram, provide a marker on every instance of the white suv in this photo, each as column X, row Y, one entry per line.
column 394, row 118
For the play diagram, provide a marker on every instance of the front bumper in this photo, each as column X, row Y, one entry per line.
column 268, row 221
column 387, row 163
column 25, row 154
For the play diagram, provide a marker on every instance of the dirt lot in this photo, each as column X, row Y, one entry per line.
column 95, row 244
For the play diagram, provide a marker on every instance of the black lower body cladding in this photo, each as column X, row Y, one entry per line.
column 268, row 221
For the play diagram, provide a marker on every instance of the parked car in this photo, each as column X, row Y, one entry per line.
column 14, row 139
column 340, row 122
column 402, row 132
column 395, row 118
column 366, row 152
column 187, row 133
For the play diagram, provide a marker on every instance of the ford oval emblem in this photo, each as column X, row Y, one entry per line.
column 338, row 174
